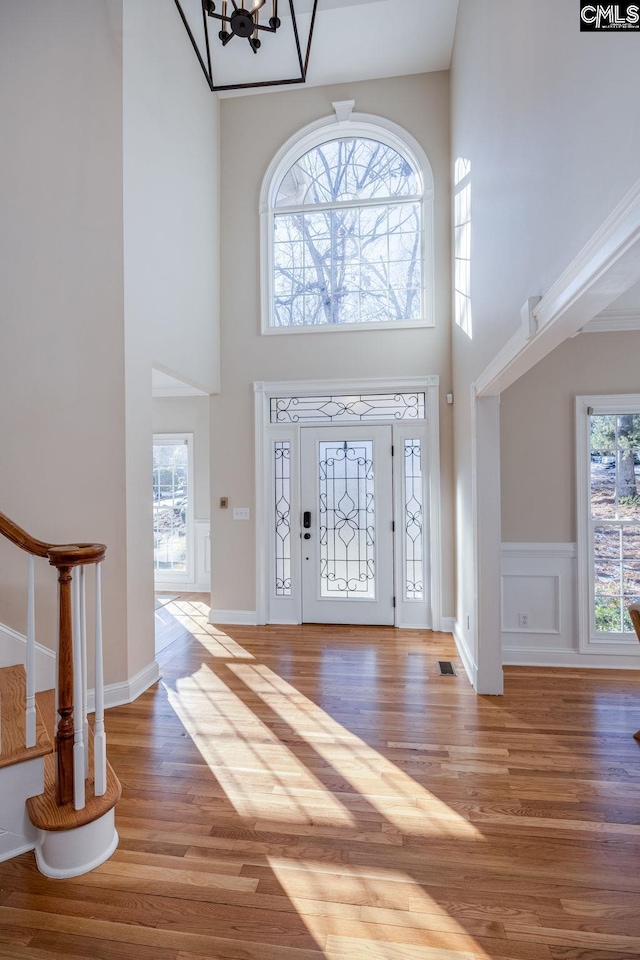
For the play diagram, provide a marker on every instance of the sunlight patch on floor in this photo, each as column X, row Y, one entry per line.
column 354, row 760
column 234, row 742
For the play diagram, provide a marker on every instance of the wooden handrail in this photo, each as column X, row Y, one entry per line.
column 22, row 539
column 64, row 557
column 68, row 555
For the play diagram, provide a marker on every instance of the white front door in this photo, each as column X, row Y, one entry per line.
column 347, row 528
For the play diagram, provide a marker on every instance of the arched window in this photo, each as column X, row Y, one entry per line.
column 347, row 223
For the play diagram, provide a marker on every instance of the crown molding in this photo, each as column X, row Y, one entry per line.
column 613, row 321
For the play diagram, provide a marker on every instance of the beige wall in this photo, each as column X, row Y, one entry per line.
column 537, row 416
column 62, row 417
column 189, row 415
column 109, row 264
column 537, row 109
column 252, row 130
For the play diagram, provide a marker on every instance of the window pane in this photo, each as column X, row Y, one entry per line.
column 359, row 265
column 615, row 496
column 170, row 493
column 348, row 169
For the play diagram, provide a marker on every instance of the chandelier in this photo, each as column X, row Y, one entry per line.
column 247, row 19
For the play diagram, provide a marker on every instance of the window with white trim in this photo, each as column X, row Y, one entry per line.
column 172, row 507
column 609, row 477
column 348, row 231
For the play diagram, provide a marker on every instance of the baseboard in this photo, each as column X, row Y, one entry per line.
column 246, row 618
column 8, row 852
column 468, row 662
column 447, row 625
column 117, row 694
column 13, row 649
column 549, row 657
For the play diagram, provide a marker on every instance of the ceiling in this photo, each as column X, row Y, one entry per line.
column 353, row 40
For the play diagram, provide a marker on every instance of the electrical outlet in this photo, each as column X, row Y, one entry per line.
column 524, row 620
column 241, row 513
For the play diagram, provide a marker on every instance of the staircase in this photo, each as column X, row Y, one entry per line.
column 57, row 789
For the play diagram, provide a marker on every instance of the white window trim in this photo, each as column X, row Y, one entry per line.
column 167, row 579
column 588, row 640
column 289, row 610
column 313, row 135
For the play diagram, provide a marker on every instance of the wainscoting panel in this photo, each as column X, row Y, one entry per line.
column 538, row 601
column 539, row 581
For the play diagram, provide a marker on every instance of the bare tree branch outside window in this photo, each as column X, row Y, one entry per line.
column 356, row 257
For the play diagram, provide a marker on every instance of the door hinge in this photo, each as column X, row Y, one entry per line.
column 393, row 453
column 393, row 526
column 394, row 602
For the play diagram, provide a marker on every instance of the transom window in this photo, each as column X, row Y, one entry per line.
column 346, row 236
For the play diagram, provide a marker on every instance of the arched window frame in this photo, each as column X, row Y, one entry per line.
column 344, row 123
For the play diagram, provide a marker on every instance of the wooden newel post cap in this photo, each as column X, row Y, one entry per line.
column 76, row 554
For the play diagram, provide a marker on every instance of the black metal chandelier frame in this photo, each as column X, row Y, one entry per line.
column 245, row 24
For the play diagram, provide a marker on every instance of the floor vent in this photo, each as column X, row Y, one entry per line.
column 446, row 668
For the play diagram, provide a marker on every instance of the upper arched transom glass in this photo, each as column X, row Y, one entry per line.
column 347, row 170
column 347, row 237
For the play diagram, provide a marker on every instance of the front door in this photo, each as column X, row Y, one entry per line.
column 347, row 528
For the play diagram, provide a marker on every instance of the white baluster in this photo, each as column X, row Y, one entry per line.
column 83, row 650
column 100, row 740
column 30, row 666
column 78, row 744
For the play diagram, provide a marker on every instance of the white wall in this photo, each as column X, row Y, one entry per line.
column 253, row 129
column 540, row 111
column 171, row 227
column 62, row 418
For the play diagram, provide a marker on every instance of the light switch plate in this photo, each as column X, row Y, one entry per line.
column 241, row 513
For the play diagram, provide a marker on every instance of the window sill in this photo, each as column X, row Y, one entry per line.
column 348, row 327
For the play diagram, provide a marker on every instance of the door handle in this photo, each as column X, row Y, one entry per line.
column 306, row 519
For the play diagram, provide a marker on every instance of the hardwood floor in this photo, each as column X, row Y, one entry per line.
column 309, row 792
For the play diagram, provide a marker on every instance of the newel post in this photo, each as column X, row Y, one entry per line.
column 64, row 733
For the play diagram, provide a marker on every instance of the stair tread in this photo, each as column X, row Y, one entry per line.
column 13, row 699
column 44, row 811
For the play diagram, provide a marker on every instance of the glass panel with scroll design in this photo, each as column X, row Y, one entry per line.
column 413, row 521
column 348, row 409
column 347, row 519
column 282, row 517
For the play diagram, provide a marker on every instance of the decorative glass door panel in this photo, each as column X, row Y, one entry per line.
column 347, row 519
column 347, row 539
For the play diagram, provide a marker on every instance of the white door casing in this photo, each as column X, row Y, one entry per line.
column 278, row 467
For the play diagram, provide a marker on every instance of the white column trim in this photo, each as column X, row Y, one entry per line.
column 604, row 269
